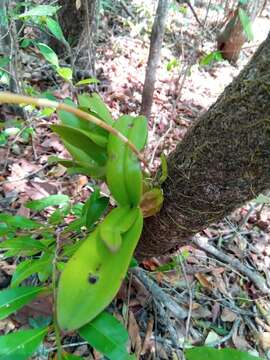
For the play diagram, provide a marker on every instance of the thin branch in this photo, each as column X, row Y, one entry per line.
column 124, row 6
column 6, row 97
column 233, row 262
column 159, row 294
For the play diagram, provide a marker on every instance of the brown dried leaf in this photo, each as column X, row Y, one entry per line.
column 134, row 333
column 147, row 340
column 265, row 340
column 203, row 280
column 228, row 316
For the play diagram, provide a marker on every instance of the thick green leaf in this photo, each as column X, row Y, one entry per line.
column 205, row 352
column 95, row 103
column 51, row 200
column 28, row 268
column 19, row 222
column 94, row 208
column 76, row 167
column 41, row 10
column 81, row 141
column 246, row 23
column 23, row 243
column 20, row 345
column 55, row 29
column 96, row 133
column 106, row 334
column 13, row 299
column 48, row 54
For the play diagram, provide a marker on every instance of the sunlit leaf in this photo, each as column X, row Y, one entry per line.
column 262, row 199
column 19, row 222
column 55, row 29
column 210, row 58
column 40, row 10
column 95, row 103
column 246, row 23
column 51, row 200
column 65, row 73
column 87, row 81
column 205, row 352
column 48, row 54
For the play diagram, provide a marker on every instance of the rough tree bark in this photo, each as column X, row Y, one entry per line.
column 222, row 162
column 233, row 37
column 79, row 23
column 156, row 40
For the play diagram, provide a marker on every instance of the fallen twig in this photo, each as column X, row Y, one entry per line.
column 258, row 281
column 158, row 293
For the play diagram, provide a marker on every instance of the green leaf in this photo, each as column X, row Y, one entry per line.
column 94, row 208
column 25, row 43
column 246, row 23
column 210, row 58
column 55, row 29
column 46, row 270
column 76, row 167
column 4, row 60
column 23, row 243
column 28, row 268
column 173, row 63
column 14, row 299
column 19, row 222
column 20, row 345
column 95, row 103
column 48, row 54
column 66, row 356
column 96, row 133
column 205, row 352
column 106, row 334
column 65, row 73
column 51, row 200
column 41, row 10
column 81, row 141
column 164, row 169
column 88, row 81
column 262, row 199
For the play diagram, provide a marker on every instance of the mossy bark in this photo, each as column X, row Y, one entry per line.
column 222, row 162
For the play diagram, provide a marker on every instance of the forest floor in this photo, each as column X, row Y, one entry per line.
column 225, row 305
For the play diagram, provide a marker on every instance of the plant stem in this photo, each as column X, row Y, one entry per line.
column 6, row 97
column 54, row 284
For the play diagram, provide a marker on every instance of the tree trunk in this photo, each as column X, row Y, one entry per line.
column 156, row 40
column 222, row 162
column 79, row 24
column 232, row 38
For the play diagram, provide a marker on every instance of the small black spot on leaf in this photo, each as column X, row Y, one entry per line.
column 92, row 279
